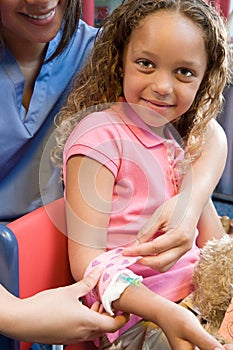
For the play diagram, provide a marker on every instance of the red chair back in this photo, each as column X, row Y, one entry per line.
column 43, row 254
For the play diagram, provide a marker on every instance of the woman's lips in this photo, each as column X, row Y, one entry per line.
column 41, row 17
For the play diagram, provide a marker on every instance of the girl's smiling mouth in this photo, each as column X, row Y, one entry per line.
column 158, row 104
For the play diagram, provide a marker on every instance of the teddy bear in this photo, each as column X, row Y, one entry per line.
column 227, row 224
column 212, row 298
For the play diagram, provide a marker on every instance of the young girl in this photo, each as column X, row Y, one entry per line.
column 42, row 46
column 157, row 65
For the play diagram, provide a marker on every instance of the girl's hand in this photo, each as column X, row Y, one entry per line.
column 178, row 223
column 185, row 332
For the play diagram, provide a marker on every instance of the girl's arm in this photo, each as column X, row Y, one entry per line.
column 89, row 194
column 178, row 217
column 209, row 225
column 181, row 327
column 89, row 188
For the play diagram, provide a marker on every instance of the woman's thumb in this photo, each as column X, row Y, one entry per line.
column 89, row 282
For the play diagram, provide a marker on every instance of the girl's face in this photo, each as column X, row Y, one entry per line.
column 163, row 65
column 31, row 20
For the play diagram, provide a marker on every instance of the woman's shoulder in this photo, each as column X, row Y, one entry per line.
column 83, row 26
column 85, row 34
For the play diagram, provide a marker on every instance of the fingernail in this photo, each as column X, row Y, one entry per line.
column 127, row 251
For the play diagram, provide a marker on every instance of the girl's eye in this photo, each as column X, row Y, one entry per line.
column 185, row 72
column 145, row 64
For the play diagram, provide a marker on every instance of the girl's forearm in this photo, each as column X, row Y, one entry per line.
column 140, row 301
column 182, row 328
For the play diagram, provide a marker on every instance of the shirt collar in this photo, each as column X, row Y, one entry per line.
column 140, row 129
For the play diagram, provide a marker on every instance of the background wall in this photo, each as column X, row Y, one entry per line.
column 103, row 8
column 95, row 10
column 231, row 24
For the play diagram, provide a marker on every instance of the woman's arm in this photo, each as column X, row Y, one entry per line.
column 55, row 316
column 178, row 217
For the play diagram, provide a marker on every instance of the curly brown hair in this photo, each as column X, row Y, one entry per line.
column 99, row 84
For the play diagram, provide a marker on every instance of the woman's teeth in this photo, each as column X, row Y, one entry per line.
column 42, row 16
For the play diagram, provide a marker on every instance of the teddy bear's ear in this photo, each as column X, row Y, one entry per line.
column 226, row 329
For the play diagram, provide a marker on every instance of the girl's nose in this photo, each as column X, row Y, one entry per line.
column 162, row 83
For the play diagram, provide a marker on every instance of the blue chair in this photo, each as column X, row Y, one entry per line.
column 8, row 274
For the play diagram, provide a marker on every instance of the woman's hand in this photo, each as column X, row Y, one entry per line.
column 56, row 316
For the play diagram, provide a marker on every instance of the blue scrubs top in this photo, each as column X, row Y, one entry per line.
column 26, row 182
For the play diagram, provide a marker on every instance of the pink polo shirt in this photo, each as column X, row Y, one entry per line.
column 144, row 167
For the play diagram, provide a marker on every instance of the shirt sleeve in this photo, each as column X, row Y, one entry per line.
column 97, row 137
